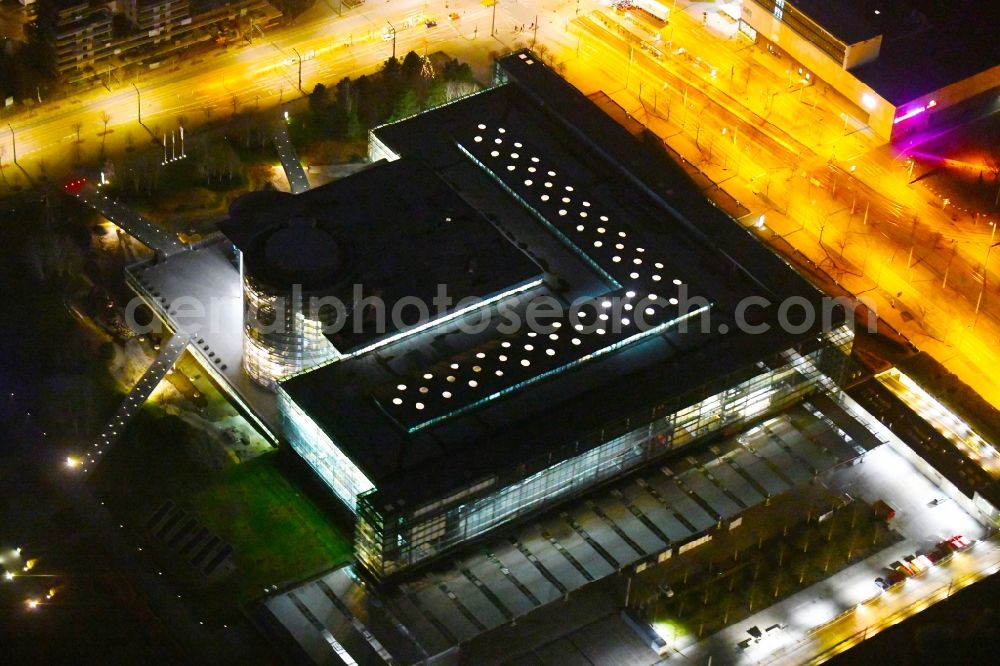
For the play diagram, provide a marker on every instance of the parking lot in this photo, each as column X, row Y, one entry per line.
column 632, row 520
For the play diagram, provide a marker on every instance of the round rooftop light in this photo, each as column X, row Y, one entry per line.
column 566, row 199
column 419, row 405
column 556, row 324
column 673, row 301
column 401, row 387
column 637, row 261
column 630, row 294
column 625, row 321
column 621, row 234
column 454, row 366
column 502, row 358
column 532, row 334
column 528, row 182
column 428, row 375
column 616, row 259
column 562, row 211
column 548, row 184
column 473, row 383
column 576, row 341
column 532, row 169
column 477, row 368
column 658, row 265
column 535, row 160
column 446, row 394
column 677, row 282
column 525, row 362
column 601, row 230
column 553, row 336
column 481, row 355
column 653, row 297
column 514, row 156
column 481, row 126
column 656, row 278
column 583, row 213
column 423, row 389
column 510, row 167
column 619, row 246
column 494, row 153
column 605, row 304
column 586, row 204
column 498, row 141
column 598, row 243
column 635, row 276
column 628, row 307
column 499, row 373
column 580, row 227
column 397, row 401
column 604, row 218
column 529, row 348
column 600, row 331
column 602, row 317
column 545, row 197
column 552, row 173
column 505, row 343
column 517, row 144
column 501, row 130
column 640, row 250
column 578, row 327
column 478, row 139
column 550, row 352
column 450, row 378
column 650, row 311
column 569, row 188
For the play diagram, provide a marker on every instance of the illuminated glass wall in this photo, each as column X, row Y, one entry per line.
column 280, row 335
column 317, row 449
column 388, row 544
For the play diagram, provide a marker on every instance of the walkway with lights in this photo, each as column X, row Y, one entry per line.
column 136, row 398
column 297, row 181
column 147, row 233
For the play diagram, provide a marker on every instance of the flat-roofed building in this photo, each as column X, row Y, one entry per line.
column 663, row 322
column 906, row 64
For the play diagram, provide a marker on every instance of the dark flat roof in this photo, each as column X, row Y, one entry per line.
column 608, row 195
column 402, row 230
column 950, row 48
column 850, row 21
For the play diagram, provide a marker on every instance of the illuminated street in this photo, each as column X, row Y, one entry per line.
column 766, row 140
column 500, row 332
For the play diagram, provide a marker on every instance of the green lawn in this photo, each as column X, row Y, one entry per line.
column 279, row 535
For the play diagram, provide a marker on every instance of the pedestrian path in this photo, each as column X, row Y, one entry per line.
column 144, row 231
column 136, row 398
column 297, row 180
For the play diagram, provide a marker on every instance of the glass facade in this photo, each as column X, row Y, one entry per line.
column 806, row 28
column 387, row 543
column 319, row 451
column 281, row 336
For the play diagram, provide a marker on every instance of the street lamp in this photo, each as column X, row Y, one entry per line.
column 393, row 28
column 299, row 57
column 982, row 288
column 13, row 142
column 138, row 102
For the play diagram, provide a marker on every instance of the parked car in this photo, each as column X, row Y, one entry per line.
column 958, row 543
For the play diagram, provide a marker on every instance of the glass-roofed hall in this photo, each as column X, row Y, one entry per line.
column 655, row 316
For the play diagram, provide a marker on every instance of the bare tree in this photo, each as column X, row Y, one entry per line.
column 105, row 118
